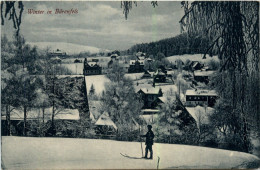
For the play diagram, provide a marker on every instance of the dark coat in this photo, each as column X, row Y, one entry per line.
column 149, row 138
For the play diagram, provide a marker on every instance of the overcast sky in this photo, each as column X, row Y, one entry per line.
column 100, row 24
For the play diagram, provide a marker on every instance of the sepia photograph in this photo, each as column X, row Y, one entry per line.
column 130, row 85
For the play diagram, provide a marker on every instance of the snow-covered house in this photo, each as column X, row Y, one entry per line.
column 159, row 76
column 194, row 65
column 105, row 126
column 200, row 97
column 202, row 76
column 136, row 66
column 37, row 115
column 91, row 68
column 57, row 53
column 149, row 96
column 200, row 114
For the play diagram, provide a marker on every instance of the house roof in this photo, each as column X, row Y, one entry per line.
column 203, row 73
column 163, row 99
column 155, row 90
column 200, row 114
column 150, row 110
column 195, row 64
column 91, row 64
column 193, row 92
column 141, row 57
column 139, row 53
column 33, row 114
column 104, row 119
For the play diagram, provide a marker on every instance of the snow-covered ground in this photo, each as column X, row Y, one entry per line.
column 192, row 57
column 68, row 153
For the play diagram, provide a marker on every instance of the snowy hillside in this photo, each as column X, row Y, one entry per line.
column 68, row 153
column 69, row 48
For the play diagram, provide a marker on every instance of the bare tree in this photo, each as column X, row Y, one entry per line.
column 234, row 29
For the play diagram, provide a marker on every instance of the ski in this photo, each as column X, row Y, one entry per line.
column 131, row 157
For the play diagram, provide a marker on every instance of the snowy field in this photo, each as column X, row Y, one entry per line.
column 68, row 153
column 192, row 57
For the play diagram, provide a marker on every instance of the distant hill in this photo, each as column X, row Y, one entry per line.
column 69, row 48
column 178, row 45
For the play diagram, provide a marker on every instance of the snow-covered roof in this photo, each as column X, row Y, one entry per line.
column 91, row 63
column 139, row 53
column 163, row 99
column 200, row 114
column 104, row 119
column 141, row 58
column 193, row 92
column 203, row 73
column 33, row 114
column 195, row 63
column 154, row 90
column 68, row 114
column 150, row 110
column 149, row 59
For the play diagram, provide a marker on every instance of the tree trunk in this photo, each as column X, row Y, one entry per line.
column 8, row 121
column 24, row 121
column 43, row 109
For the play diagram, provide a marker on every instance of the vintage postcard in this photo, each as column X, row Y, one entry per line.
column 130, row 85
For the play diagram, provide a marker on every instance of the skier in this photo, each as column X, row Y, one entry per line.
column 149, row 141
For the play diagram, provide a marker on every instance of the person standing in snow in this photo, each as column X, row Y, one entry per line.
column 149, row 141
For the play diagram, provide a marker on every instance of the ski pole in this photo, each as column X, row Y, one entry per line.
column 141, row 142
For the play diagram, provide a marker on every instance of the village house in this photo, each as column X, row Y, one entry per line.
column 36, row 116
column 57, row 53
column 202, row 76
column 200, row 97
column 105, row 126
column 92, row 68
column 150, row 96
column 193, row 65
column 136, row 66
column 159, row 76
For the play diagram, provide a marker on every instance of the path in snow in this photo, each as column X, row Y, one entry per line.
column 68, row 153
